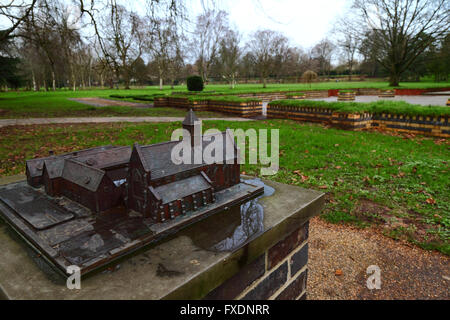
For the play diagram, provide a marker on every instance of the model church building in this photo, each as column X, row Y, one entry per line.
column 142, row 178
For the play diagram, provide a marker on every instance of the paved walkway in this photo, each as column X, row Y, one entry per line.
column 34, row 121
column 438, row 93
column 425, row 100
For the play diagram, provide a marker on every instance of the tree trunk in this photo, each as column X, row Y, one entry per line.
column 394, row 79
column 264, row 82
column 34, row 80
column 74, row 86
column 53, row 81
column 350, row 70
column 126, row 79
column 160, row 83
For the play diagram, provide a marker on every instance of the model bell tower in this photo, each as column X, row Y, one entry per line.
column 193, row 125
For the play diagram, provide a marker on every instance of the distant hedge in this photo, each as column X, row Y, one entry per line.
column 393, row 107
column 234, row 99
column 141, row 97
column 195, row 83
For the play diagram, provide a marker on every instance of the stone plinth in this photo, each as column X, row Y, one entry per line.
column 258, row 251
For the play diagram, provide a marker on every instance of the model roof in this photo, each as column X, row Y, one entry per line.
column 106, row 158
column 182, row 188
column 83, row 175
column 54, row 167
column 36, row 166
column 156, row 158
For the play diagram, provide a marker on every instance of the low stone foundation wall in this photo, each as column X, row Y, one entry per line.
column 280, row 273
column 242, row 109
column 271, row 96
column 387, row 94
column 431, row 126
column 299, row 114
column 426, row 125
column 351, row 121
column 346, row 96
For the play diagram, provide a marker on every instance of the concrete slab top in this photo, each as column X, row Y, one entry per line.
column 187, row 265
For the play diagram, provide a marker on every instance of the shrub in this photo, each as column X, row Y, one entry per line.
column 309, row 76
column 195, row 83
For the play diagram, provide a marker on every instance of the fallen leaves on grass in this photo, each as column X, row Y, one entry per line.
column 303, row 177
column 439, row 141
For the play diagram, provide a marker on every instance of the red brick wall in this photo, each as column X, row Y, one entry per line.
column 280, row 273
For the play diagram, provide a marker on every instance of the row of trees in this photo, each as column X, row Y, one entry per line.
column 55, row 43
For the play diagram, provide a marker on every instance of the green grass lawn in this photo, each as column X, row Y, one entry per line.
column 396, row 184
column 57, row 104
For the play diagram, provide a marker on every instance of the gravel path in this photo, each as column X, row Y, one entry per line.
column 339, row 256
column 100, row 102
column 33, row 121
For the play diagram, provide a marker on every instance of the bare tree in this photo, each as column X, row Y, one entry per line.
column 229, row 55
column 124, row 46
column 15, row 11
column 266, row 46
column 40, row 27
column 164, row 46
column 66, row 23
column 123, row 39
column 349, row 46
column 323, row 53
column 295, row 63
column 401, row 29
column 210, row 29
column 176, row 66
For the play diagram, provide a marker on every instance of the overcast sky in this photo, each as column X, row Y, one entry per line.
column 304, row 22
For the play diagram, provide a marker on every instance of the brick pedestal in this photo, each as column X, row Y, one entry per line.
column 279, row 273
